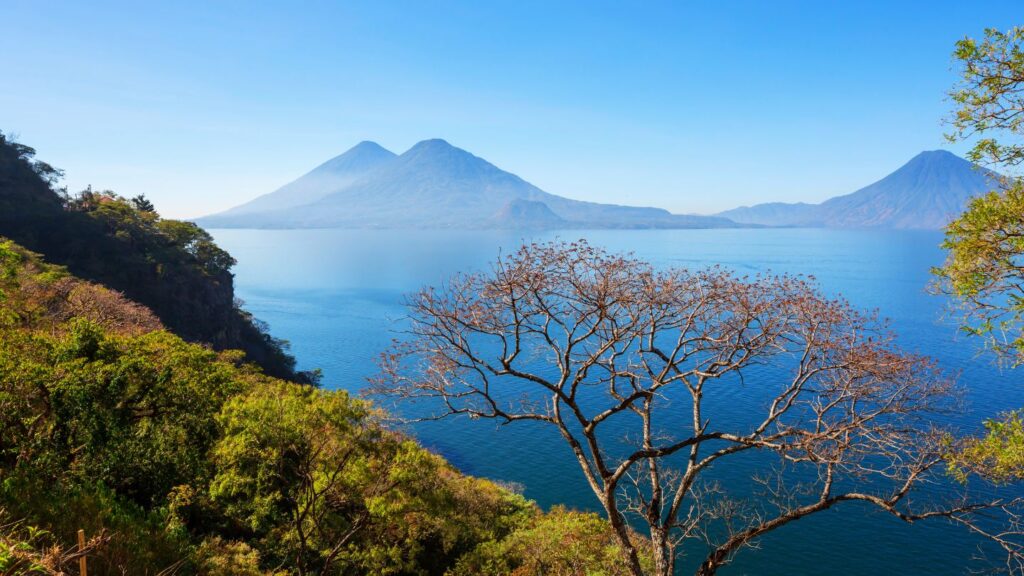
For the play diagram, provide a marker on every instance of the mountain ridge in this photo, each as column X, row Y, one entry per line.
column 437, row 185
column 434, row 184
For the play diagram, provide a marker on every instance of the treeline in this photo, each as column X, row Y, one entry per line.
column 172, row 267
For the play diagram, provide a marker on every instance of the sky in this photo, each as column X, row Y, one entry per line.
column 695, row 107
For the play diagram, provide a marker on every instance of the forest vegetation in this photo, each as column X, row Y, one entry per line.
column 172, row 267
column 175, row 458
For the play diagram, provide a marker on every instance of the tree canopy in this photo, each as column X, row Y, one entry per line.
column 986, row 243
column 984, row 269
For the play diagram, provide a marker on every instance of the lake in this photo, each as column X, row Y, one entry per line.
column 337, row 296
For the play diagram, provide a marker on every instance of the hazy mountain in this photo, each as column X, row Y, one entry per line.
column 437, row 185
column 331, row 176
column 925, row 193
column 520, row 213
column 772, row 213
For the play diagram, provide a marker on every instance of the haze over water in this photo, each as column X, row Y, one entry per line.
column 337, row 296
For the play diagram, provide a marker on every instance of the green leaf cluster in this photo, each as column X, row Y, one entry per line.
column 988, row 97
column 562, row 543
column 985, row 269
column 997, row 455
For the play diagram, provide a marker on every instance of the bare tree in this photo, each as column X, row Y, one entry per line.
column 607, row 348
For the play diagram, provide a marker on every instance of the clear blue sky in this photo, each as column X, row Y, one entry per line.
column 691, row 106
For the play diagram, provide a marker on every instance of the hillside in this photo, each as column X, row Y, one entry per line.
column 42, row 296
column 773, row 213
column 925, row 193
column 175, row 459
column 526, row 214
column 173, row 268
column 437, row 185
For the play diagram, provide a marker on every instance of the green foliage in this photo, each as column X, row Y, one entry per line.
column 197, row 242
column 172, row 267
column 311, row 476
column 19, row 551
column 175, row 456
column 9, row 260
column 560, row 543
column 985, row 244
column 142, row 204
column 136, row 413
column 988, row 97
column 985, row 269
column 998, row 455
column 134, row 539
column 217, row 557
column 26, row 549
column 287, row 455
column 985, row 266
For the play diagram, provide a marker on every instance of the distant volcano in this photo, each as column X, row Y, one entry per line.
column 925, row 193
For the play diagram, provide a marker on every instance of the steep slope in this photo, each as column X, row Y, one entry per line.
column 437, row 185
column 41, row 296
column 325, row 179
column 108, row 420
column 925, row 193
column 173, row 268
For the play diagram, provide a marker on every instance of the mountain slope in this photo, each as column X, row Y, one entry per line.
column 526, row 214
column 436, row 185
column 41, row 296
column 925, row 193
column 772, row 213
column 329, row 177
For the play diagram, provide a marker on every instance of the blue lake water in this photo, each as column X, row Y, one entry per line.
column 337, row 296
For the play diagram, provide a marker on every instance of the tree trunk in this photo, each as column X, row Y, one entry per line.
column 662, row 552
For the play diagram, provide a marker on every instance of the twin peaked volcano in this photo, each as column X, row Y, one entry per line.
column 432, row 185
